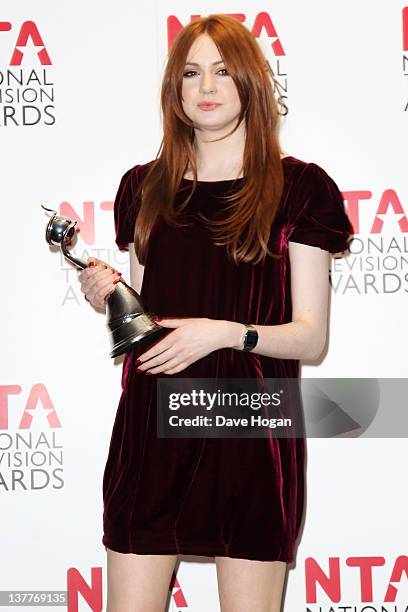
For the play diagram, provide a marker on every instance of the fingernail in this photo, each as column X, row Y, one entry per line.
column 92, row 263
column 115, row 282
column 139, row 370
column 138, row 361
column 120, row 273
column 158, row 319
column 105, row 266
column 147, row 372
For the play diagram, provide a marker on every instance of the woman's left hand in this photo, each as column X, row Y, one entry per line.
column 192, row 339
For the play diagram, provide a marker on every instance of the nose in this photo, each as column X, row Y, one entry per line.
column 207, row 84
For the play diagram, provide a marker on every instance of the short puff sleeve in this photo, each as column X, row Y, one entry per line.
column 126, row 206
column 320, row 219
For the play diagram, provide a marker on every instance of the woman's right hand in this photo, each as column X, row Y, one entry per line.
column 98, row 281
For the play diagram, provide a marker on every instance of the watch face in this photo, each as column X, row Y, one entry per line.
column 251, row 338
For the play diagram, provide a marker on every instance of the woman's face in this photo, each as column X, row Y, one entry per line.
column 209, row 82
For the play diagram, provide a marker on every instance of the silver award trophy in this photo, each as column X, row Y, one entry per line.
column 131, row 326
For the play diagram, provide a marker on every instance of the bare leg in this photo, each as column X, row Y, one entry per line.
column 250, row 585
column 138, row 583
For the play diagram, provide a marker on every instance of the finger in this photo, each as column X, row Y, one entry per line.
column 179, row 368
column 92, row 287
column 171, row 322
column 157, row 360
column 171, row 367
column 101, row 291
column 89, row 272
column 99, row 280
column 93, row 300
column 94, row 266
column 88, row 282
column 106, row 290
column 159, row 347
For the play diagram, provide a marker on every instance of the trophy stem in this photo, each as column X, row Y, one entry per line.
column 79, row 263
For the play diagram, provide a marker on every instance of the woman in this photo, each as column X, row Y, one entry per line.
column 220, row 264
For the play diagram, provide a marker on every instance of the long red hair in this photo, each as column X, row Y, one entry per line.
column 246, row 231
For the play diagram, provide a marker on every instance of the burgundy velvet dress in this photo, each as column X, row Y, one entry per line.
column 233, row 497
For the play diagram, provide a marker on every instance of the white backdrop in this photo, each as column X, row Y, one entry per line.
column 90, row 77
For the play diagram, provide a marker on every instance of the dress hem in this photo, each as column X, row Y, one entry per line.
column 209, row 550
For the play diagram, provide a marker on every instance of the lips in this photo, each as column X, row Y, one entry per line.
column 208, row 105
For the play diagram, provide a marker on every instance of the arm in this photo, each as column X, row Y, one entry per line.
column 136, row 270
column 305, row 336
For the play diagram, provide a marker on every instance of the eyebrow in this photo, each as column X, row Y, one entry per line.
column 213, row 63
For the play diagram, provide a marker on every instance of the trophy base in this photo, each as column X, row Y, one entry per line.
column 139, row 338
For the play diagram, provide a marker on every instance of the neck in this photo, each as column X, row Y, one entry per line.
column 222, row 156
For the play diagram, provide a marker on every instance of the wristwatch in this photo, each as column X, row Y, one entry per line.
column 250, row 338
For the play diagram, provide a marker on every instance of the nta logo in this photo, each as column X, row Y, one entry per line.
column 363, row 569
column 28, row 31
column 262, row 22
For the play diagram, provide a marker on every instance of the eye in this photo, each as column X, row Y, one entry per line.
column 191, row 72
